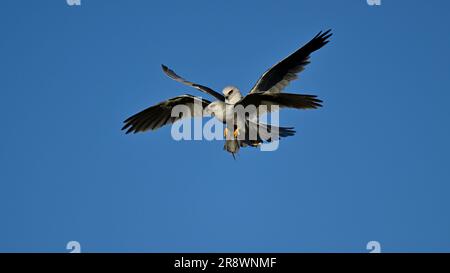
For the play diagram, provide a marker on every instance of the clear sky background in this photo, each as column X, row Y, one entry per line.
column 373, row 164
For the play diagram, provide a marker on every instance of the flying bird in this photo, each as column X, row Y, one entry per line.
column 268, row 92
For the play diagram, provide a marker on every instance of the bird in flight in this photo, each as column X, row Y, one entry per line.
column 267, row 94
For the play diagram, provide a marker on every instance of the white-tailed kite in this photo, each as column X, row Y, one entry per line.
column 267, row 92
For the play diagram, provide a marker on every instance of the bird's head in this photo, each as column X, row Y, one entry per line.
column 232, row 94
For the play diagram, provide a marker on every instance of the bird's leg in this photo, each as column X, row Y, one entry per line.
column 236, row 133
column 225, row 132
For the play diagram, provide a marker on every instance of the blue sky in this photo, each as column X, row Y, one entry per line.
column 373, row 164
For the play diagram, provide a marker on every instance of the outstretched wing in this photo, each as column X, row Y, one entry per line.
column 281, row 100
column 252, row 106
column 280, row 75
column 160, row 114
column 169, row 72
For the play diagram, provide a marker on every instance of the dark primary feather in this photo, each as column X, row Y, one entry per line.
column 159, row 115
column 287, row 100
column 279, row 76
column 265, row 133
column 169, row 72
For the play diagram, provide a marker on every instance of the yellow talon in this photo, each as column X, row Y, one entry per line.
column 225, row 132
column 236, row 133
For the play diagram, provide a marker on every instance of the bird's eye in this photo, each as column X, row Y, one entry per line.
column 231, row 91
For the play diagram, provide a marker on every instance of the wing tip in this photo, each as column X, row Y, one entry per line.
column 324, row 36
column 166, row 70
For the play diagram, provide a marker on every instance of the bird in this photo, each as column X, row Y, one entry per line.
column 267, row 94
